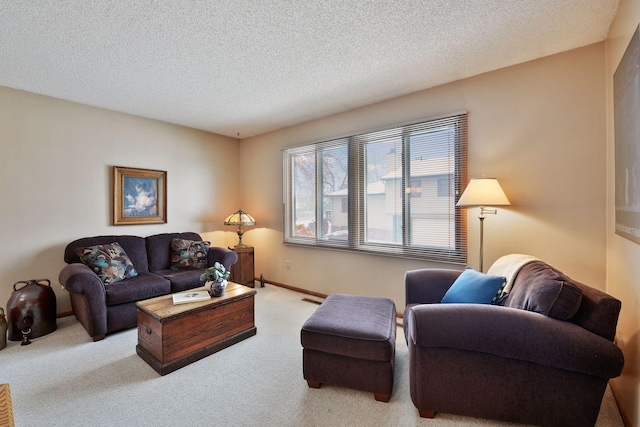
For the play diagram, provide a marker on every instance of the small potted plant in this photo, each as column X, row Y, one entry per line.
column 215, row 278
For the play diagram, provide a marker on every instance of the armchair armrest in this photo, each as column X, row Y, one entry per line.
column 428, row 286
column 224, row 256
column 513, row 334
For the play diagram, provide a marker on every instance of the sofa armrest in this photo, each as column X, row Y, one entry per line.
column 88, row 298
column 428, row 286
column 513, row 334
column 80, row 279
column 224, row 256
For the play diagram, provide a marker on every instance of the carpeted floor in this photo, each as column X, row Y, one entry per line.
column 65, row 379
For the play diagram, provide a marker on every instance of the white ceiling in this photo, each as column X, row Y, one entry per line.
column 249, row 66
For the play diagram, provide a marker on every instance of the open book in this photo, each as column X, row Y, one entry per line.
column 190, row 297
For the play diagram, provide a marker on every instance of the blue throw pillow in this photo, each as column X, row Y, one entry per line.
column 472, row 287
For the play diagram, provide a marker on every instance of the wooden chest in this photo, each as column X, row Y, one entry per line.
column 172, row 336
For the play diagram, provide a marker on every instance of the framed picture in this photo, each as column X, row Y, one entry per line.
column 626, row 110
column 139, row 196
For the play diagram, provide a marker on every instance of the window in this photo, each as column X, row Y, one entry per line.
column 390, row 192
column 445, row 187
column 416, row 188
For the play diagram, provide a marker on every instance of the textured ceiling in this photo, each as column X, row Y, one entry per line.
column 249, row 67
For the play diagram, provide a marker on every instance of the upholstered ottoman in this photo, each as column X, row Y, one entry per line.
column 350, row 341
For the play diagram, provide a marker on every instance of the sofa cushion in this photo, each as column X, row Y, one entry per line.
column 473, row 287
column 189, row 254
column 598, row 312
column 159, row 248
column 144, row 286
column 110, row 262
column 182, row 280
column 543, row 289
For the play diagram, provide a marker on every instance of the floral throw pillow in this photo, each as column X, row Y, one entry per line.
column 189, row 254
column 110, row 262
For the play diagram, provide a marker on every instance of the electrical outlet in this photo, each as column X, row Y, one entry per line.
column 288, row 265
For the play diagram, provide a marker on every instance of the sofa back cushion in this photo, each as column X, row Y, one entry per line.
column 133, row 246
column 541, row 288
column 598, row 312
column 159, row 248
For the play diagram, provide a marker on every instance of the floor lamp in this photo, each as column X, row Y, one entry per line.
column 483, row 192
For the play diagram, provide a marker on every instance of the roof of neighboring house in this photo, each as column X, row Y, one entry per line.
column 426, row 167
column 373, row 188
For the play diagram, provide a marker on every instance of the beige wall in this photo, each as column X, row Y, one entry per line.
column 55, row 180
column 538, row 127
column 623, row 268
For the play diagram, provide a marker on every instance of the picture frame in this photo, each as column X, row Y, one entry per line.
column 626, row 100
column 139, row 196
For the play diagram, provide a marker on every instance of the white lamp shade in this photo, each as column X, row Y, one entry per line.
column 483, row 192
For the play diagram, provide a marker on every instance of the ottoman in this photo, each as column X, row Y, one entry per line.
column 350, row 341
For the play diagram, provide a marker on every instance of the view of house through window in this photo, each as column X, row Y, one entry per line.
column 389, row 192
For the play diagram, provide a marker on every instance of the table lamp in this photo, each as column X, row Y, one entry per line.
column 240, row 219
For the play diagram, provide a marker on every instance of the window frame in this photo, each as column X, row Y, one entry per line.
column 357, row 191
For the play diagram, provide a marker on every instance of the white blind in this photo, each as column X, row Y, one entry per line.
column 390, row 192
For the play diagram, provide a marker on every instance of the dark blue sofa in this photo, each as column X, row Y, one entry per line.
column 105, row 308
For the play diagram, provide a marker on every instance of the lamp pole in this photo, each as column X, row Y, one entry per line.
column 484, row 211
column 481, row 218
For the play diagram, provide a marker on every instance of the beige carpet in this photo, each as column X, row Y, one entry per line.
column 64, row 379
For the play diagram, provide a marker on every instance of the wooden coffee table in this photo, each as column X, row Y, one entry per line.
column 172, row 336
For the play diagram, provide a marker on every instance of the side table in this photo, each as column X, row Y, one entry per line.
column 242, row 271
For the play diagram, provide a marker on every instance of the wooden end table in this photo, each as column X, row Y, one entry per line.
column 173, row 336
column 243, row 270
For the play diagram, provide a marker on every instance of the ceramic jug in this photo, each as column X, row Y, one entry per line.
column 31, row 310
column 3, row 329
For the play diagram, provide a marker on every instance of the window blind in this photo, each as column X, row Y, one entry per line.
column 399, row 187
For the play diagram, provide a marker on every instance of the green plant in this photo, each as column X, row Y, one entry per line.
column 215, row 273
